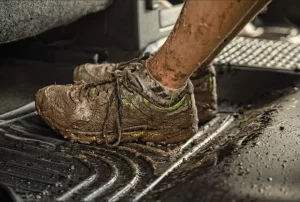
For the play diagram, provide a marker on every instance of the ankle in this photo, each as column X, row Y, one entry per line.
column 157, row 92
column 165, row 78
column 171, row 84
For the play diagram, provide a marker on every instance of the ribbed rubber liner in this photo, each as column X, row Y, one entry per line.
column 38, row 164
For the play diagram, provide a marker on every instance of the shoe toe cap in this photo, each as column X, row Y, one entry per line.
column 51, row 104
column 39, row 100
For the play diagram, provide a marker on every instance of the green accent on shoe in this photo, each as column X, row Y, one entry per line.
column 171, row 100
column 210, row 77
column 211, row 82
column 163, row 109
column 126, row 102
column 93, row 90
column 139, row 134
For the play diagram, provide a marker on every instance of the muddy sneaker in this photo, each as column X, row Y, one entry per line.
column 128, row 105
column 93, row 73
column 205, row 90
column 203, row 79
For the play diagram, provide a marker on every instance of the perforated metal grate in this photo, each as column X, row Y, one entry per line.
column 260, row 53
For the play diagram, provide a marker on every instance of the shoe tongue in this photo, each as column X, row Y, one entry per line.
column 154, row 90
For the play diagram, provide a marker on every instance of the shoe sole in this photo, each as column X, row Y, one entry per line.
column 155, row 136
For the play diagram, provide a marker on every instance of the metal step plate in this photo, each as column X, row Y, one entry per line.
column 38, row 164
column 253, row 54
column 261, row 54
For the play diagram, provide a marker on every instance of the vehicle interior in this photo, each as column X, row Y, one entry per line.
column 249, row 152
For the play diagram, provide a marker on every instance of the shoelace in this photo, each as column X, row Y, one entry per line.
column 115, row 96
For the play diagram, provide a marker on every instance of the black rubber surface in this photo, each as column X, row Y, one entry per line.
column 8, row 195
column 257, row 158
column 246, row 158
column 39, row 164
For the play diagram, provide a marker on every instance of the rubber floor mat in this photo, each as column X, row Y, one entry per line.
column 261, row 54
column 38, row 164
